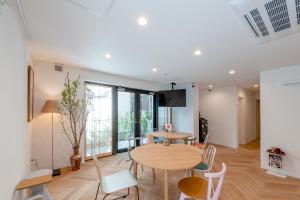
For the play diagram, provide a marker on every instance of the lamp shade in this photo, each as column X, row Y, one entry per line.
column 50, row 106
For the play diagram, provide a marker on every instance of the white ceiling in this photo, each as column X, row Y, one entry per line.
column 66, row 33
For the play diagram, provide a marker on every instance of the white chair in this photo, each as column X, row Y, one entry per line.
column 199, row 188
column 135, row 141
column 115, row 182
column 208, row 160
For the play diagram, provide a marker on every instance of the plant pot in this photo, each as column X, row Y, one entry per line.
column 75, row 159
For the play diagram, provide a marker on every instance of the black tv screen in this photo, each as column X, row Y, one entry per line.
column 172, row 98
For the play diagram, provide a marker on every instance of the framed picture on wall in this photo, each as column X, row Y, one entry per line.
column 30, row 93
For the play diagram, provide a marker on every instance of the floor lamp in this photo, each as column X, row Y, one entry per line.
column 51, row 106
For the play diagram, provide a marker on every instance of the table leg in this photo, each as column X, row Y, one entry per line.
column 135, row 169
column 166, row 185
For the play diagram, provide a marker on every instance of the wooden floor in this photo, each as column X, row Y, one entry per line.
column 243, row 180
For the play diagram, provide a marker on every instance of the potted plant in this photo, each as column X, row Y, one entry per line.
column 74, row 111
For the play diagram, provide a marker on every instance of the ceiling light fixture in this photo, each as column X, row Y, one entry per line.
column 108, row 56
column 143, row 21
column 154, row 69
column 231, row 72
column 256, row 85
column 197, row 53
column 210, row 86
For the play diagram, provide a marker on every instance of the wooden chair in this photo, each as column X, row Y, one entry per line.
column 199, row 188
column 115, row 182
column 150, row 139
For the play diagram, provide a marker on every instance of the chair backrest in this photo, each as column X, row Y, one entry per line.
column 134, row 141
column 98, row 168
column 209, row 155
column 205, row 140
column 213, row 193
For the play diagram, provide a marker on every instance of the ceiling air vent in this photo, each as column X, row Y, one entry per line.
column 259, row 22
column 279, row 15
column 269, row 19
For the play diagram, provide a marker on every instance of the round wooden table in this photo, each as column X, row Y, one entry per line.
column 166, row 158
column 171, row 135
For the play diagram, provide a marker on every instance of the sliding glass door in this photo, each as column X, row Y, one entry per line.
column 126, row 118
column 146, row 114
column 99, row 122
column 117, row 114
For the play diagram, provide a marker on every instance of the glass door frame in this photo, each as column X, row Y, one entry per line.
column 112, row 130
column 137, row 105
column 137, row 132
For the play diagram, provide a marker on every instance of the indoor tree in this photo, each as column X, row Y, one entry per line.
column 74, row 111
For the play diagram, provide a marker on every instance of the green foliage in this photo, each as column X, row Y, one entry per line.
column 125, row 126
column 74, row 110
column 146, row 121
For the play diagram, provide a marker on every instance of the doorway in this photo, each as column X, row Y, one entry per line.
column 257, row 119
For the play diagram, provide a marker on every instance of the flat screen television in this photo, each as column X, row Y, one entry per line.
column 172, row 98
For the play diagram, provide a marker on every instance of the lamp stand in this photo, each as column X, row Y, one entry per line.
column 55, row 172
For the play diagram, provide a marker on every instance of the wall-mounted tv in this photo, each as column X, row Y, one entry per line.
column 172, row 98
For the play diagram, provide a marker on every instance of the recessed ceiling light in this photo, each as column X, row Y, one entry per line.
column 108, row 56
column 154, row 69
column 210, row 86
column 142, row 21
column 197, row 52
column 256, row 85
column 231, row 72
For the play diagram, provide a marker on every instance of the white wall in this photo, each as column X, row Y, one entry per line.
column 15, row 137
column 246, row 115
column 185, row 119
column 280, row 122
column 49, row 85
column 219, row 107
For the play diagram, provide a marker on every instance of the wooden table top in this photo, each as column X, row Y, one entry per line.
column 172, row 157
column 170, row 135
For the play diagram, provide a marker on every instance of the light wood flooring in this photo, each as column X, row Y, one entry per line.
column 243, row 180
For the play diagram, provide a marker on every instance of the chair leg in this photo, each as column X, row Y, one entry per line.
column 137, row 191
column 97, row 190
column 105, row 196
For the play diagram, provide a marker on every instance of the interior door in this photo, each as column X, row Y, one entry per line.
column 98, row 138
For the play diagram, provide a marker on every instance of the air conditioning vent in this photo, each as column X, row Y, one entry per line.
column 269, row 19
column 259, row 22
column 58, row 67
column 279, row 15
column 298, row 10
